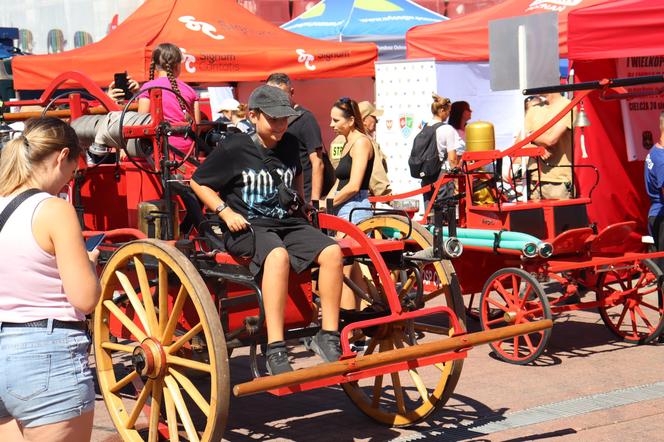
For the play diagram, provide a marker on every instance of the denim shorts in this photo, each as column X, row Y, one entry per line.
column 360, row 199
column 44, row 377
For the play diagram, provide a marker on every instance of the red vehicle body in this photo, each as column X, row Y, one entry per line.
column 174, row 305
column 504, row 287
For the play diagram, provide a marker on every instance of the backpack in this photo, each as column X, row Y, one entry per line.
column 424, row 161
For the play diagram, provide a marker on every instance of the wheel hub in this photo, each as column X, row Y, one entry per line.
column 509, row 317
column 149, row 359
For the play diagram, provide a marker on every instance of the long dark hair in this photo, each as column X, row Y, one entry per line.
column 456, row 113
column 350, row 108
column 167, row 57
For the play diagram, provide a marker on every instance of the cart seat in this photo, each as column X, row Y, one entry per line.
column 571, row 241
column 617, row 238
column 350, row 247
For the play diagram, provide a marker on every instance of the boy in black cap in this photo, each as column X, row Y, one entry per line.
column 240, row 181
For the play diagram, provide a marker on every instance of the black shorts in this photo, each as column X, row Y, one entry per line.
column 302, row 241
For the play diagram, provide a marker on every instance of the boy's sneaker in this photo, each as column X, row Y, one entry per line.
column 326, row 345
column 359, row 346
column 276, row 358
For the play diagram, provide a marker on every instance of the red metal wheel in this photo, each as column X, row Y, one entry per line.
column 473, row 308
column 632, row 304
column 520, row 299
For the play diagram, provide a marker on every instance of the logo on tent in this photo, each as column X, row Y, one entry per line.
column 388, row 124
column 406, row 124
column 553, row 5
column 307, row 59
column 188, row 61
column 206, row 28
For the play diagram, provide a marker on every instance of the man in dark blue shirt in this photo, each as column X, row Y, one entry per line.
column 654, row 175
column 304, row 127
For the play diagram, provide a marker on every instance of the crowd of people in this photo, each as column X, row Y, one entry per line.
column 256, row 181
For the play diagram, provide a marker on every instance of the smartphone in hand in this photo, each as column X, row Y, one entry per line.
column 122, row 82
column 92, row 242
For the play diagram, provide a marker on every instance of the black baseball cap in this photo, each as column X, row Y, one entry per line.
column 272, row 101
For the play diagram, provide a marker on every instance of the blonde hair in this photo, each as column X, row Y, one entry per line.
column 439, row 103
column 240, row 112
column 40, row 138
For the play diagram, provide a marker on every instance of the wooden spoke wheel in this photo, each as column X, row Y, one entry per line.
column 159, row 347
column 407, row 397
column 632, row 305
column 520, row 299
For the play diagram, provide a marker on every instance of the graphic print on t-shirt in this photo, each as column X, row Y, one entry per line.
column 260, row 193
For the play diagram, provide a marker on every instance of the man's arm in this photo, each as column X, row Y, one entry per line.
column 298, row 183
column 310, row 136
column 317, row 173
column 553, row 135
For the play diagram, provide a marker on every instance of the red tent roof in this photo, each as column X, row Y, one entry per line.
column 617, row 29
column 221, row 40
column 467, row 38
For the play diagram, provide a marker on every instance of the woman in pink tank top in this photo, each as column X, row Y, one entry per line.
column 49, row 283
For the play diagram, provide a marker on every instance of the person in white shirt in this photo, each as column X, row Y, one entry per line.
column 447, row 141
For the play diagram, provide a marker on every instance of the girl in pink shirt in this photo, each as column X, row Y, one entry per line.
column 164, row 70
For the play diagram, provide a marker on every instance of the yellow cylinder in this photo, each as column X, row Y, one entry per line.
column 480, row 136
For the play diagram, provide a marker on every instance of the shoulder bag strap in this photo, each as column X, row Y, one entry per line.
column 271, row 169
column 13, row 205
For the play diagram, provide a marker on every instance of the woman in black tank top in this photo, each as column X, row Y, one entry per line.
column 351, row 190
column 356, row 165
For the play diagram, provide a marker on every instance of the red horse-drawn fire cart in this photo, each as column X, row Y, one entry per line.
column 174, row 306
column 558, row 248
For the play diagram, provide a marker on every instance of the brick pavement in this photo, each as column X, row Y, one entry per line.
column 583, row 359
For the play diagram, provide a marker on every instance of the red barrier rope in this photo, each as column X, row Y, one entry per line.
column 482, row 162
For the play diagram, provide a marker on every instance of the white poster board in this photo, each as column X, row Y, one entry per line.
column 403, row 91
column 641, row 114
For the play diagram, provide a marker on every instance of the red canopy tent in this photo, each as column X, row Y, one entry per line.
column 467, row 38
column 220, row 39
column 597, row 36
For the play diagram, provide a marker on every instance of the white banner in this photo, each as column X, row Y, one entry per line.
column 641, row 114
column 403, row 91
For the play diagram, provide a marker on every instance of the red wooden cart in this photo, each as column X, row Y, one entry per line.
column 174, row 307
column 506, row 287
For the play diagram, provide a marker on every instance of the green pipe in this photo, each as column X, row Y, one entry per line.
column 480, row 234
column 490, row 234
column 527, row 244
column 529, row 248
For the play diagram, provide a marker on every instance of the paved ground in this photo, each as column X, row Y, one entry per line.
column 587, row 386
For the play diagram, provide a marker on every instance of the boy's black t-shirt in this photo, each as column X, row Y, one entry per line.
column 236, row 170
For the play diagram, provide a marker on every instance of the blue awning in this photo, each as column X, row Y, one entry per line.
column 350, row 19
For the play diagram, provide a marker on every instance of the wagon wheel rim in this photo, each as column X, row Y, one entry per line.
column 526, row 303
column 404, row 398
column 632, row 302
column 161, row 360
